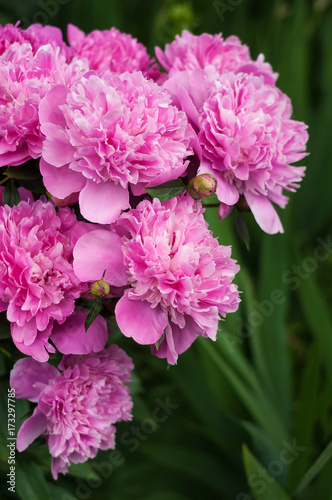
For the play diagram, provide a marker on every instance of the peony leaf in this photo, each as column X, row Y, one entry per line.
column 10, row 195
column 28, row 171
column 167, row 190
column 157, row 344
column 93, row 313
column 242, row 230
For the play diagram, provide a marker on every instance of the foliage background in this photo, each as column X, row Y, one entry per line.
column 267, row 380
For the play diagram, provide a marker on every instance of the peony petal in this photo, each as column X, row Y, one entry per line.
column 96, row 251
column 74, row 34
column 61, row 181
column 57, row 149
column 31, row 429
column 264, row 213
column 70, row 337
column 102, row 202
column 39, row 348
column 138, row 320
column 26, row 373
column 49, row 111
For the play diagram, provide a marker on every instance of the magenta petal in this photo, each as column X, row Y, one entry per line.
column 57, row 149
column 38, row 348
column 61, row 181
column 52, row 113
column 138, row 320
column 264, row 213
column 31, row 429
column 74, row 34
column 28, row 375
column 70, row 337
column 96, row 251
column 102, row 202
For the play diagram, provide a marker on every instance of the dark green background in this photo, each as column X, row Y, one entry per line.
column 263, row 383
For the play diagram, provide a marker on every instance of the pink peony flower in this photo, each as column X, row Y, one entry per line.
column 112, row 50
column 25, row 77
column 248, row 142
column 36, row 35
column 106, row 133
column 180, row 277
column 190, row 52
column 37, row 282
column 77, row 407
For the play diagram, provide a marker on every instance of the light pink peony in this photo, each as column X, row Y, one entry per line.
column 180, row 277
column 248, row 142
column 25, row 77
column 37, row 282
column 112, row 50
column 77, row 407
column 36, row 35
column 106, row 133
column 190, row 52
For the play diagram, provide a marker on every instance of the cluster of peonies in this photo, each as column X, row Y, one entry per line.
column 105, row 129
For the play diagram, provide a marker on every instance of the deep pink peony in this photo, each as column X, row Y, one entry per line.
column 37, row 282
column 189, row 52
column 248, row 142
column 36, row 35
column 112, row 50
column 106, row 133
column 25, row 77
column 180, row 277
column 77, row 407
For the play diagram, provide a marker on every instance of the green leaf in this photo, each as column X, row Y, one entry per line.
column 167, row 190
column 242, row 230
column 30, row 481
column 93, row 313
column 314, row 470
column 83, row 471
column 11, row 196
column 262, row 485
column 159, row 341
column 26, row 171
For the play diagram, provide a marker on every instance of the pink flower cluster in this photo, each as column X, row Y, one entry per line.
column 114, row 131
column 25, row 77
column 38, row 285
column 112, row 50
column 180, row 278
column 110, row 135
column 245, row 136
column 77, row 407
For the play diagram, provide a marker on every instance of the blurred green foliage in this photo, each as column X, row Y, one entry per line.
column 255, row 406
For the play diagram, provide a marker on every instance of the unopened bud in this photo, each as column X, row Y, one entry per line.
column 65, row 202
column 202, row 186
column 100, row 288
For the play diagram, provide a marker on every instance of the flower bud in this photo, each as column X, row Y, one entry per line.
column 65, row 202
column 202, row 186
column 100, row 288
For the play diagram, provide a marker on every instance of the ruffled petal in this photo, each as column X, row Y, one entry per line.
column 138, row 320
column 102, row 202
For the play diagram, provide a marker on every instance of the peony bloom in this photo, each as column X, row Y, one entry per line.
column 112, row 50
column 25, row 77
column 190, row 52
column 106, row 133
column 248, row 142
column 36, row 35
column 77, row 407
column 37, row 282
column 180, row 278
